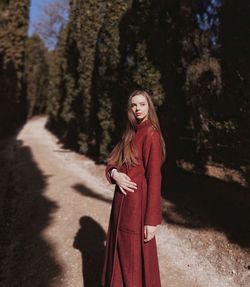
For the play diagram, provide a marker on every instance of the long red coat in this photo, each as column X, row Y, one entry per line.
column 129, row 261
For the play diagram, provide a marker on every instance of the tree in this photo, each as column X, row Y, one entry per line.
column 13, row 35
column 105, row 85
column 37, row 75
column 235, row 61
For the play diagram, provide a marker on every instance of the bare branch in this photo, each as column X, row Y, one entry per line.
column 53, row 17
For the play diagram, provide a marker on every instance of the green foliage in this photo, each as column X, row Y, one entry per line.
column 105, row 86
column 111, row 47
column 37, row 76
column 56, row 87
column 86, row 20
column 203, row 83
column 147, row 75
column 13, row 35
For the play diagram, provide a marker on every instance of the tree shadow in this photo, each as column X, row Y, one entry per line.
column 89, row 240
column 200, row 201
column 83, row 190
column 27, row 259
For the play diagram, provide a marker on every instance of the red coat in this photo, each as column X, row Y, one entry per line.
column 129, row 261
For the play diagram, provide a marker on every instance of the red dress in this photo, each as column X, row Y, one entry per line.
column 129, row 261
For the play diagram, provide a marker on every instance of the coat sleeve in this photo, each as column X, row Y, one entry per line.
column 108, row 175
column 152, row 156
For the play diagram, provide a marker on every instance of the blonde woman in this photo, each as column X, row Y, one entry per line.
column 134, row 166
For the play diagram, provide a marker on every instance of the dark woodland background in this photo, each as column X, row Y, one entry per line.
column 193, row 56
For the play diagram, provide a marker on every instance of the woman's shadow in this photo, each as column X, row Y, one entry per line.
column 90, row 240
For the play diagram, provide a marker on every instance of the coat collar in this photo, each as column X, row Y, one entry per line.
column 143, row 124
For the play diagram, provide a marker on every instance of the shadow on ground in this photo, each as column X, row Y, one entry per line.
column 203, row 202
column 27, row 259
column 83, row 190
column 89, row 240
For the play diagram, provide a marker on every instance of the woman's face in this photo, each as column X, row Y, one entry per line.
column 139, row 105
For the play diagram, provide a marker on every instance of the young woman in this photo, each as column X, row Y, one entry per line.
column 134, row 166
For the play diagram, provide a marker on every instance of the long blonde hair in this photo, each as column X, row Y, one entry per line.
column 124, row 151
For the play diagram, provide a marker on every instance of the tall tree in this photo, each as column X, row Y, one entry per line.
column 202, row 74
column 14, row 17
column 74, row 71
column 235, row 59
column 56, row 88
column 90, row 16
column 105, row 85
column 37, row 76
column 151, row 49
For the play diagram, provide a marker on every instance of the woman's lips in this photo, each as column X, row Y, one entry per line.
column 138, row 114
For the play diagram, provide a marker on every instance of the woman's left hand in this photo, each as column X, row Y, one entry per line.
column 149, row 232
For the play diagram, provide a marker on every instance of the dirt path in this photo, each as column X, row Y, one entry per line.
column 62, row 215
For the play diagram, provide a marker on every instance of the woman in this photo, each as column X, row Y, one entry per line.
column 134, row 165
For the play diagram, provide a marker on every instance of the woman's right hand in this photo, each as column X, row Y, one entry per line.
column 124, row 182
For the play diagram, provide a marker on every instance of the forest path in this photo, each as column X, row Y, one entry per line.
column 65, row 203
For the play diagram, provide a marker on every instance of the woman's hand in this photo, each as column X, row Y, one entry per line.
column 149, row 232
column 124, row 182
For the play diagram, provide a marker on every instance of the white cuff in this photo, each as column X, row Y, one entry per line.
column 112, row 171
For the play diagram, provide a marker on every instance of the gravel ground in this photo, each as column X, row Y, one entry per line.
column 60, row 207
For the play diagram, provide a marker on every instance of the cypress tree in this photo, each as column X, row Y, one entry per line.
column 56, row 87
column 233, row 127
column 14, row 17
column 202, row 76
column 88, row 21
column 71, row 99
column 138, row 60
column 150, row 51
column 105, row 86
column 37, row 76
column 70, row 95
